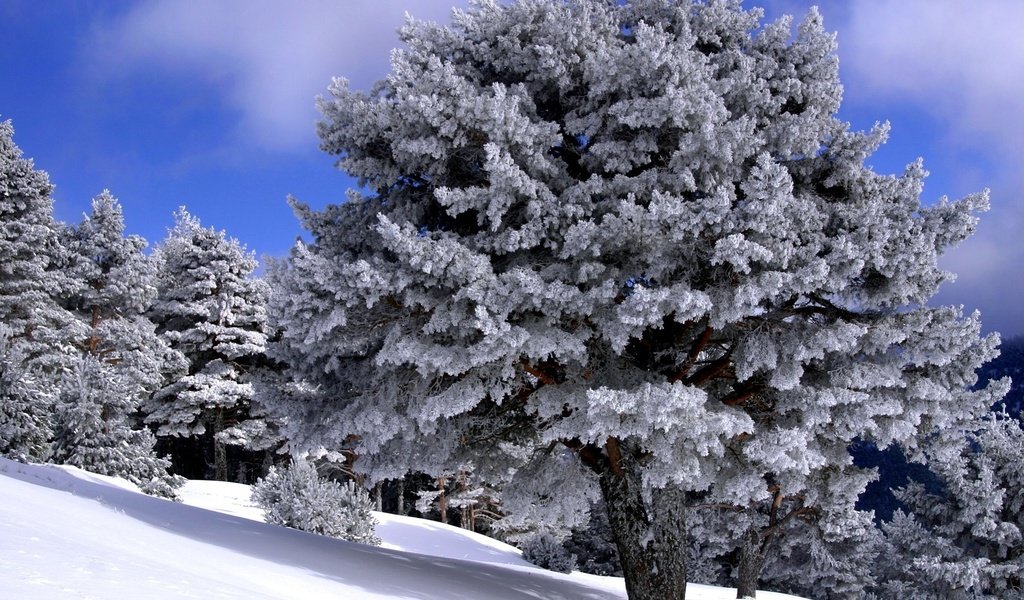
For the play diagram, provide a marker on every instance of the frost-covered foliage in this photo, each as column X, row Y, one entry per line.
column 297, row 497
column 32, row 277
column 474, row 503
column 809, row 553
column 116, row 287
column 636, row 231
column 551, row 494
column 98, row 426
column 545, row 551
column 815, row 542
column 834, row 557
column 94, row 429
column 35, row 348
column 968, row 540
column 211, row 309
column 25, row 427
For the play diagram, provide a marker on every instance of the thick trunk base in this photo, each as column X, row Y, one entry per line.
column 751, row 563
column 651, row 539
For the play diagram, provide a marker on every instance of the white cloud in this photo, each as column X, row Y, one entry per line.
column 270, row 58
column 960, row 63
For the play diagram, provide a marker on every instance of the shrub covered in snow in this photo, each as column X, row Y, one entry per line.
column 594, row 545
column 547, row 552
column 298, row 497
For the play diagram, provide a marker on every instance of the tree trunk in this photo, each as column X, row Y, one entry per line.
column 220, row 453
column 94, row 339
column 378, row 497
column 400, row 507
column 268, row 461
column 752, row 555
column 651, row 539
column 442, row 500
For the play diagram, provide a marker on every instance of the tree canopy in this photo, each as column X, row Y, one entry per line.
column 636, row 233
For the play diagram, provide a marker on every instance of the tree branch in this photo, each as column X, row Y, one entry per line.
column 698, row 345
column 590, row 455
column 611, row 446
column 710, row 371
column 541, row 375
column 742, row 393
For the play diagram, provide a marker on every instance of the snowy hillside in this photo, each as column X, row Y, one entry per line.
column 65, row 533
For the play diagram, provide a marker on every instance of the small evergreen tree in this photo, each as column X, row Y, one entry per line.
column 297, row 497
column 547, row 552
column 966, row 541
column 94, row 429
column 123, row 360
column 211, row 309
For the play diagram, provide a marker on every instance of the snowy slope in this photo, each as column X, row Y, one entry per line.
column 65, row 533
column 398, row 533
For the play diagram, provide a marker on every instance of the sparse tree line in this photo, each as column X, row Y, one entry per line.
column 621, row 290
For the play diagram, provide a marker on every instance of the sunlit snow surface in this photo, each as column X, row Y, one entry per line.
column 65, row 533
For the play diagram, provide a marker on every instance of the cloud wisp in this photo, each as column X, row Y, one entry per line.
column 269, row 60
column 961, row 65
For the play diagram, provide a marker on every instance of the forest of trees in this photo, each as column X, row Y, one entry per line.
column 619, row 288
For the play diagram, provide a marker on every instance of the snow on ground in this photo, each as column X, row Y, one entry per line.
column 397, row 533
column 65, row 533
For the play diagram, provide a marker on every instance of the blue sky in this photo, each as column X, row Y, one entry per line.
column 211, row 105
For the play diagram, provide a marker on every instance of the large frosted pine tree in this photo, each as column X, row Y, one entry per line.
column 32, row 276
column 211, row 309
column 634, row 232
column 123, row 361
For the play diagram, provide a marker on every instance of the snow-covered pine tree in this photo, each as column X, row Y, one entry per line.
column 95, row 430
column 117, row 287
column 967, row 539
column 636, row 231
column 832, row 557
column 25, row 428
column 32, row 278
column 211, row 309
column 123, row 360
